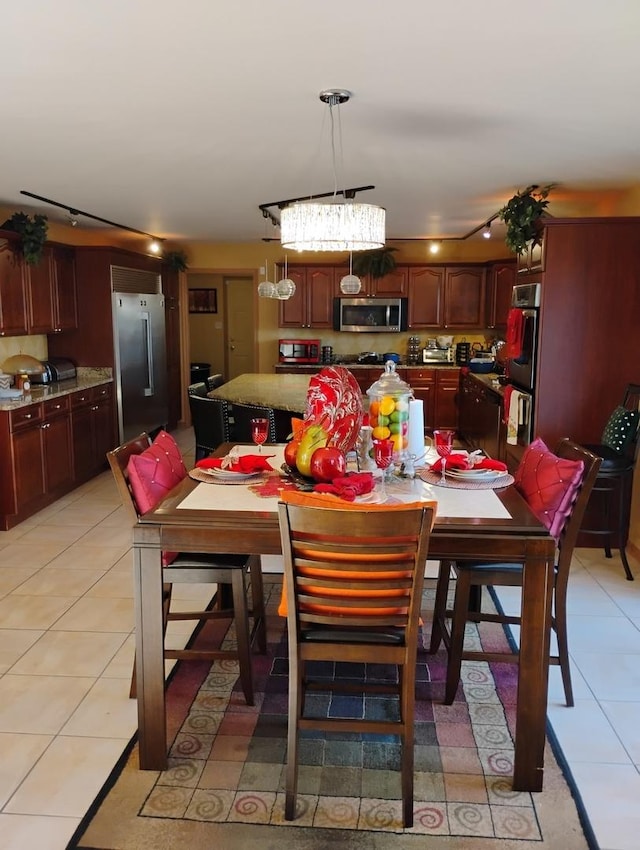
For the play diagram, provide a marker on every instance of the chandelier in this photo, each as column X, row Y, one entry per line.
column 334, row 226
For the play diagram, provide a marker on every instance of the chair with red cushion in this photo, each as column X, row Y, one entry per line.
column 354, row 578
column 144, row 473
column 557, row 487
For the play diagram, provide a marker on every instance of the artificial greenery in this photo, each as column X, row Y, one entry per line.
column 520, row 214
column 376, row 263
column 176, row 260
column 32, row 232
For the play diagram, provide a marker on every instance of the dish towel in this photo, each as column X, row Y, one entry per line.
column 515, row 331
column 514, row 417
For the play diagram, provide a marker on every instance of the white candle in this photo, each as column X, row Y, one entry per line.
column 416, row 428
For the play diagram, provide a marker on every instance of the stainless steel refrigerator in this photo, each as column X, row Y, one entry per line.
column 141, row 362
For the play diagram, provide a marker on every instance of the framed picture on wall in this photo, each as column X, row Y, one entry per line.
column 203, row 300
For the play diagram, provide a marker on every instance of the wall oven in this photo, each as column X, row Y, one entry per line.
column 522, row 355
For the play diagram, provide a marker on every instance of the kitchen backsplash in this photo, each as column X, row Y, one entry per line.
column 354, row 343
column 36, row 346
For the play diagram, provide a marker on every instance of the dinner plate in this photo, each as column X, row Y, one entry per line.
column 476, row 474
column 226, row 476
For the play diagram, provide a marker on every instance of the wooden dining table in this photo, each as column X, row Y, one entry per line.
column 511, row 533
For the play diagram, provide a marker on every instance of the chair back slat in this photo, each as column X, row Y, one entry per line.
column 210, row 420
column 337, row 577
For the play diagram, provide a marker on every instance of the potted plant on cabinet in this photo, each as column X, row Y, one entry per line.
column 176, row 260
column 521, row 214
column 32, row 232
column 376, row 263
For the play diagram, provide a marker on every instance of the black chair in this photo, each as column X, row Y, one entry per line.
column 241, row 416
column 610, row 504
column 199, row 389
column 210, row 420
column 214, row 381
column 472, row 576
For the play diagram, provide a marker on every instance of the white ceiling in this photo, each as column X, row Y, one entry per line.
column 179, row 119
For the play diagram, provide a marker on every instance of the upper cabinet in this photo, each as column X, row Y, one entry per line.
column 447, row 297
column 13, row 307
column 392, row 285
column 426, row 297
column 311, row 306
column 502, row 277
column 51, row 291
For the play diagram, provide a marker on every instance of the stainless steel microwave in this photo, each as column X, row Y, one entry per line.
column 370, row 315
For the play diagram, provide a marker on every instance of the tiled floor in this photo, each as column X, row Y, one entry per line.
column 66, row 650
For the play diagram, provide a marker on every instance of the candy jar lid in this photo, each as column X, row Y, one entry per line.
column 389, row 383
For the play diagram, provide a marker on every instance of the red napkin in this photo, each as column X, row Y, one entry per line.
column 515, row 330
column 348, row 486
column 460, row 461
column 244, row 463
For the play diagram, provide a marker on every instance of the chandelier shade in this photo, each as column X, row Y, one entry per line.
column 332, row 227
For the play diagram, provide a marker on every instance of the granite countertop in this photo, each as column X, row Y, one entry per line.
column 380, row 366
column 282, row 392
column 86, row 378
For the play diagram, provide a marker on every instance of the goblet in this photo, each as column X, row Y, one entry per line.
column 259, row 432
column 443, row 441
column 383, row 455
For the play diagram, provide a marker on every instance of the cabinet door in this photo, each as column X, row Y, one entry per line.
column 446, row 401
column 103, row 432
column 423, row 384
column 503, row 277
column 426, row 291
column 393, row 285
column 28, row 466
column 40, row 300
column 83, row 451
column 64, row 280
column 58, row 465
column 321, row 289
column 13, row 306
column 293, row 311
column 465, row 298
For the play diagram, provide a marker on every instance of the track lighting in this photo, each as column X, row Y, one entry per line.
column 486, row 231
column 434, row 247
column 156, row 242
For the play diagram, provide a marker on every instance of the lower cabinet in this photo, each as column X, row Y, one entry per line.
column 438, row 389
column 48, row 448
column 92, row 425
column 480, row 417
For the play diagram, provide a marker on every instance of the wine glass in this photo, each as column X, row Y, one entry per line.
column 383, row 455
column 259, row 432
column 443, row 441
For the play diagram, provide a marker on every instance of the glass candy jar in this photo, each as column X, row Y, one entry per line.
column 389, row 400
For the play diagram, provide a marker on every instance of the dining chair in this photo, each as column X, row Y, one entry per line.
column 210, row 421
column 609, row 508
column 188, row 568
column 471, row 576
column 214, row 381
column 241, row 416
column 199, row 388
column 354, row 579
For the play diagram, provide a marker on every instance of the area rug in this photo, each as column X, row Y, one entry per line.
column 224, row 784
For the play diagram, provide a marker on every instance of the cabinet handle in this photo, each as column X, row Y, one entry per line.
column 28, row 416
column 95, row 407
column 46, row 425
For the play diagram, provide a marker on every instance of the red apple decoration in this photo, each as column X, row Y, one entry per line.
column 327, row 463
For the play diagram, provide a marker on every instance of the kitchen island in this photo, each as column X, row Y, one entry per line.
column 281, row 392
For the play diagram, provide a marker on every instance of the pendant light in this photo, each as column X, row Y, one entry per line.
column 334, row 226
column 285, row 288
column 266, row 289
column 350, row 283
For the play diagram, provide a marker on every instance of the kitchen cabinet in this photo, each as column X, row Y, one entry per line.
column 395, row 284
column 465, row 297
column 171, row 289
column 480, row 417
column 51, row 291
column 423, row 384
column 93, row 433
column 311, row 305
column 13, row 305
column 533, row 258
column 446, row 398
column 502, row 277
column 426, row 297
column 36, row 458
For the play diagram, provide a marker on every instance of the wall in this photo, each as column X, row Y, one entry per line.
column 206, row 330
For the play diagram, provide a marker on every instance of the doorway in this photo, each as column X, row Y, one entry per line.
column 239, row 326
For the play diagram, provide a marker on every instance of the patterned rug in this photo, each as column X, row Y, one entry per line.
column 225, row 779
